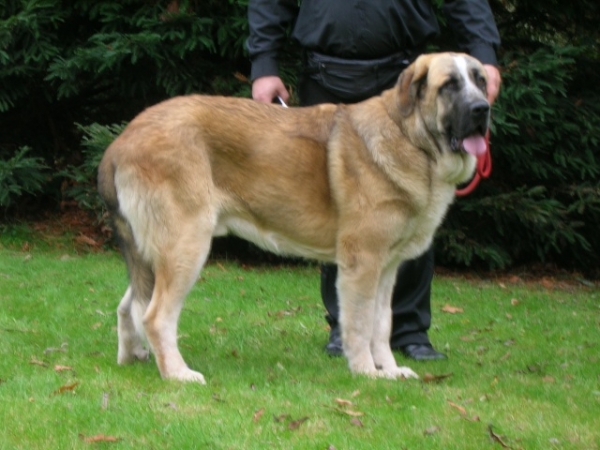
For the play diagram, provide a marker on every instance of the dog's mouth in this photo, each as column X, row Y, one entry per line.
column 474, row 144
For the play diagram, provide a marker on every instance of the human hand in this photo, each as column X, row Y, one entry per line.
column 265, row 89
column 493, row 82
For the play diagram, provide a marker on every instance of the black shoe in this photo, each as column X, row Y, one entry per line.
column 421, row 352
column 334, row 346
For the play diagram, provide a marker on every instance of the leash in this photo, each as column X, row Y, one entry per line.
column 280, row 100
column 484, row 169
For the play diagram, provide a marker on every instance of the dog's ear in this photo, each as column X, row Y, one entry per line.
column 412, row 80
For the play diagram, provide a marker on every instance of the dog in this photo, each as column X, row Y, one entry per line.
column 363, row 186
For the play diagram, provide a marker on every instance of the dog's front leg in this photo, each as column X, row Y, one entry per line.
column 357, row 287
column 382, row 327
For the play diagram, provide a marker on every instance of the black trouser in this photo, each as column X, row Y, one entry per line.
column 411, row 297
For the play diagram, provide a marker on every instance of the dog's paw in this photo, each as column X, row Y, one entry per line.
column 187, row 375
column 129, row 356
column 398, row 373
column 142, row 354
column 364, row 367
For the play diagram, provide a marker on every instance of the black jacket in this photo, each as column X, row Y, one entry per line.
column 364, row 29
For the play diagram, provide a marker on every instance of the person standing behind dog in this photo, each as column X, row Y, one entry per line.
column 353, row 50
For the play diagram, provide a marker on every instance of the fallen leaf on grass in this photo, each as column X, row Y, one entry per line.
column 463, row 412
column 460, row 409
column 66, row 388
column 351, row 412
column 285, row 312
column 348, row 412
column 344, row 408
column 258, row 414
column 429, row 378
column 17, row 330
column 38, row 362
column 292, row 424
column 356, row 422
column 431, row 430
column 59, row 368
column 61, row 349
column 295, row 424
column 105, row 398
column 496, row 438
column 99, row 438
column 452, row 309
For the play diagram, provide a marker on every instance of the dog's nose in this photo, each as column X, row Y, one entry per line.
column 480, row 109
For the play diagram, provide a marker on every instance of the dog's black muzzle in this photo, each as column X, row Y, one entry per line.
column 480, row 115
column 469, row 119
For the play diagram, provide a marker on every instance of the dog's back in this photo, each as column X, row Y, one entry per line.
column 238, row 175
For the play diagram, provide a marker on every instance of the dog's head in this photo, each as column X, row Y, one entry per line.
column 446, row 92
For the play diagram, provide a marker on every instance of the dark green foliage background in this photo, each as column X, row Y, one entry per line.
column 72, row 72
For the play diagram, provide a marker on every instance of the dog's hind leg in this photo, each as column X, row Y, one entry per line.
column 382, row 327
column 131, row 343
column 133, row 304
column 176, row 270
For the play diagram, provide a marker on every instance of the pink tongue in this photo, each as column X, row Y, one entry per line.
column 475, row 145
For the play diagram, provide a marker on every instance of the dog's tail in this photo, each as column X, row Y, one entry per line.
column 141, row 274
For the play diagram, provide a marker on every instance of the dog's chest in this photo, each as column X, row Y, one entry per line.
column 416, row 234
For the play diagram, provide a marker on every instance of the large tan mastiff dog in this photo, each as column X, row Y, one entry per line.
column 363, row 186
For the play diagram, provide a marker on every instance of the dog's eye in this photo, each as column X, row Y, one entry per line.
column 452, row 84
column 480, row 81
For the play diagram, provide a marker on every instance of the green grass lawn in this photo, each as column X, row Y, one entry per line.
column 523, row 368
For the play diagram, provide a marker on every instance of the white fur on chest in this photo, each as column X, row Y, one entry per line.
column 418, row 233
